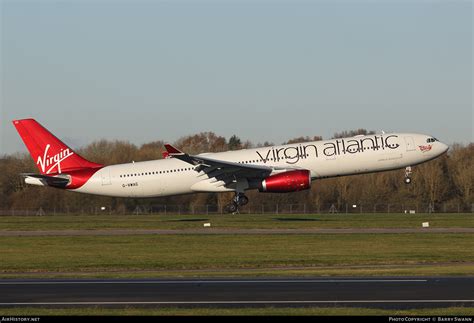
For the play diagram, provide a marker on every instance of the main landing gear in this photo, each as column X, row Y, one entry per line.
column 408, row 175
column 239, row 200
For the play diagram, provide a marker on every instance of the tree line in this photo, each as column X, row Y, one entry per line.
column 447, row 179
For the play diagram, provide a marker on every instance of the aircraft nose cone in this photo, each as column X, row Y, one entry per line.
column 444, row 148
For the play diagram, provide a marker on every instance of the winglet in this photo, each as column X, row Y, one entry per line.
column 176, row 153
column 172, row 150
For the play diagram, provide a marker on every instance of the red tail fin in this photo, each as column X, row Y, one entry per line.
column 51, row 155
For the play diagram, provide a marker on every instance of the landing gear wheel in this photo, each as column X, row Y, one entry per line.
column 240, row 199
column 243, row 200
column 231, row 208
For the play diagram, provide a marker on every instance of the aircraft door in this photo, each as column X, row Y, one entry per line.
column 105, row 176
column 410, row 143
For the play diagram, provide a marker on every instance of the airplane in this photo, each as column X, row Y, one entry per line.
column 279, row 169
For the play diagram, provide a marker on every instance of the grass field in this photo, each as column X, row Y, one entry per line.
column 227, row 252
column 236, row 255
column 243, row 221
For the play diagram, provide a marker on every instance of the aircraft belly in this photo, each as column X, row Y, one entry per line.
column 168, row 185
column 140, row 186
column 358, row 164
column 210, row 185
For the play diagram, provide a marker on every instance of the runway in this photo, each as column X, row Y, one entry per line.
column 400, row 293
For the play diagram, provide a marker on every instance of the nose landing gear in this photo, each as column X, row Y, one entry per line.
column 408, row 172
column 239, row 200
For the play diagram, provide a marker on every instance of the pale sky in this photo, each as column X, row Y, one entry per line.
column 263, row 70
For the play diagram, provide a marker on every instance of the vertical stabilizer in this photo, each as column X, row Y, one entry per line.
column 50, row 154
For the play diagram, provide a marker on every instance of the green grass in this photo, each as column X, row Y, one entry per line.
column 238, row 255
column 459, row 311
column 244, row 221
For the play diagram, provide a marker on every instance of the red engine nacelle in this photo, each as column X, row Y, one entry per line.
column 292, row 181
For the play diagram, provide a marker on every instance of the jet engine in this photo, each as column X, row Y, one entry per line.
column 291, row 181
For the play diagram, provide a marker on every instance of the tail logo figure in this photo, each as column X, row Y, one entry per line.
column 50, row 163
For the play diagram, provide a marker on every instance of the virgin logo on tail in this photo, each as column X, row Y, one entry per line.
column 50, row 162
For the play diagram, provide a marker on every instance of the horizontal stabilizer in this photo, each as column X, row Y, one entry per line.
column 60, row 181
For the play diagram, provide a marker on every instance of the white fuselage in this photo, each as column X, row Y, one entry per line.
column 328, row 158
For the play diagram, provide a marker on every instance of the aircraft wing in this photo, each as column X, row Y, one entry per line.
column 223, row 170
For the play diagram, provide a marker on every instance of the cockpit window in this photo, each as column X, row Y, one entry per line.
column 431, row 140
